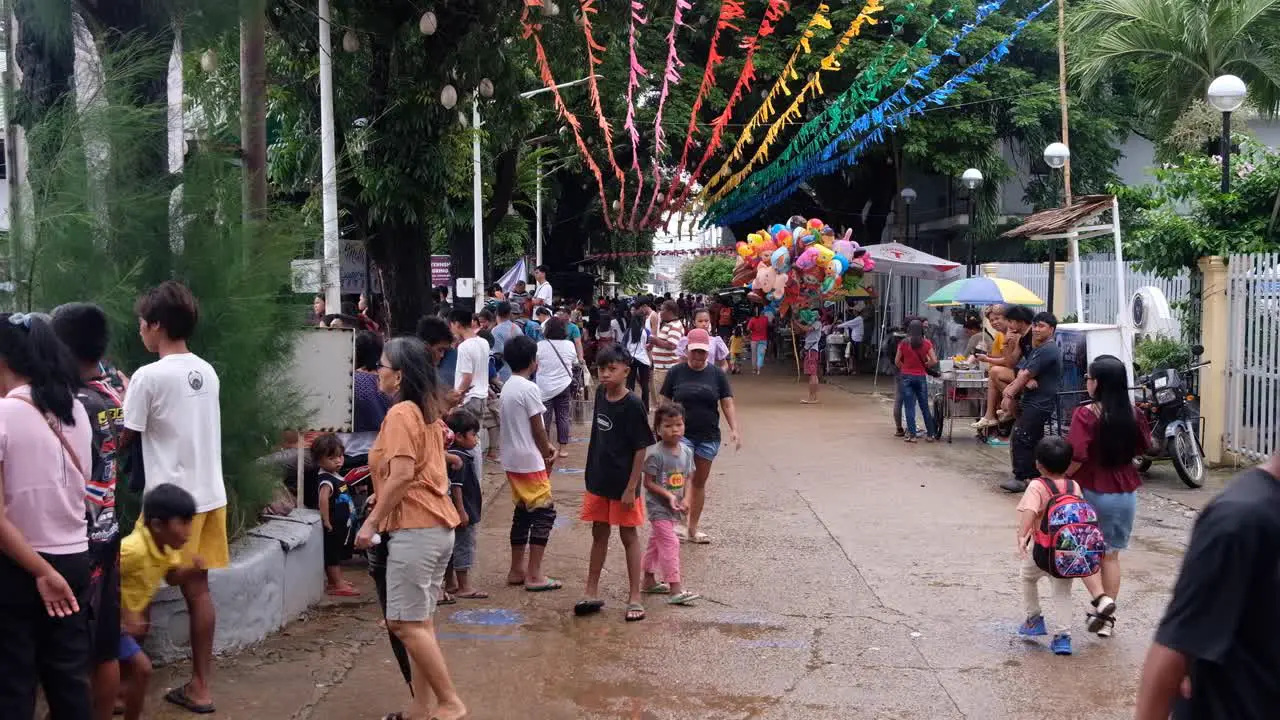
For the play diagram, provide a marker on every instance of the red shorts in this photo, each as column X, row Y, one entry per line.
column 811, row 362
column 597, row 509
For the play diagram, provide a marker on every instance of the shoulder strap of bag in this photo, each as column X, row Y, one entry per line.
column 562, row 363
column 66, row 445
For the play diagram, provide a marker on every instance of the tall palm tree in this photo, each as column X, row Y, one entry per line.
column 1175, row 48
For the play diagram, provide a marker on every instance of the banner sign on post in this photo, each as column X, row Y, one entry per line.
column 440, row 273
column 354, row 267
column 306, row 275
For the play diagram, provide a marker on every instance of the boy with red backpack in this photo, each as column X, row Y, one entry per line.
column 1059, row 538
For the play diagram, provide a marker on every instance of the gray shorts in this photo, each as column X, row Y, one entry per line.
column 464, row 547
column 416, row 561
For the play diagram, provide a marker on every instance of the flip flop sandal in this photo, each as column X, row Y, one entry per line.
column 515, row 584
column 178, row 696
column 700, row 539
column 684, row 598
column 635, row 612
column 657, row 589
column 550, row 584
column 588, row 607
column 447, row 600
column 342, row 592
column 473, row 595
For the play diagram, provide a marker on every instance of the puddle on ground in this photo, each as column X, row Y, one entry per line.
column 444, row 635
column 488, row 617
column 569, row 471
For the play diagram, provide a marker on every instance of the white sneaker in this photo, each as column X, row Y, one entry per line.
column 1102, row 612
column 1107, row 628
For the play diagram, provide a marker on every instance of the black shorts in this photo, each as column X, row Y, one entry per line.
column 104, row 601
column 336, row 548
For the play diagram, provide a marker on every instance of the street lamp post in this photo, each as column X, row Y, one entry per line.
column 972, row 180
column 1056, row 156
column 1227, row 94
column 908, row 197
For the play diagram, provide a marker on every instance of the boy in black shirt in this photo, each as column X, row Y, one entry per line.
column 615, row 461
column 464, row 487
column 1217, row 650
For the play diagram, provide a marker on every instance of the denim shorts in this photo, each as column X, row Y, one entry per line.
column 704, row 450
column 1115, row 516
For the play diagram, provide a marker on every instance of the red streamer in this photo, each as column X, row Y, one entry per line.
column 669, row 76
column 730, row 11
column 633, row 82
column 657, row 253
column 530, row 32
column 588, row 9
column 774, row 13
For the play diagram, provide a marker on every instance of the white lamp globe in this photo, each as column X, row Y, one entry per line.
column 908, row 195
column 1227, row 93
column 428, row 23
column 1056, row 155
column 448, row 96
column 971, row 178
column 486, row 88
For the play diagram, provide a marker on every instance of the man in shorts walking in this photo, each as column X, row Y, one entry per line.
column 172, row 409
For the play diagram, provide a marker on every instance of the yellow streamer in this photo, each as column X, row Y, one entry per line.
column 765, row 111
column 812, row 88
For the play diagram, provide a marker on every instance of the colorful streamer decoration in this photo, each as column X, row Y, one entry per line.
column 776, row 10
column 812, row 88
column 587, row 8
column 766, row 110
column 850, row 104
column 669, row 76
column 850, row 111
column 888, row 120
column 730, row 11
column 531, row 31
column 635, row 72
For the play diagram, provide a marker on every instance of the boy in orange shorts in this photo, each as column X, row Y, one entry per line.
column 615, row 462
column 527, row 455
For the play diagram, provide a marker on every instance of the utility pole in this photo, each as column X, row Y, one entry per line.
column 1062, row 96
column 253, row 110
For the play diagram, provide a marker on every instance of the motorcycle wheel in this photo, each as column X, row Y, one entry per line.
column 1188, row 458
column 1143, row 464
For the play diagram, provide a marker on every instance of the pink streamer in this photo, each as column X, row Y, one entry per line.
column 633, row 82
column 593, row 62
column 670, row 75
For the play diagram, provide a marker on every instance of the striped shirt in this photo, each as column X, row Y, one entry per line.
column 665, row 358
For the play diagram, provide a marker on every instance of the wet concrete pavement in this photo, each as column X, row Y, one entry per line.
column 852, row 576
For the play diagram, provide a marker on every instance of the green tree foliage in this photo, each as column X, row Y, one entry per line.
column 100, row 230
column 706, row 275
column 1184, row 216
column 1173, row 49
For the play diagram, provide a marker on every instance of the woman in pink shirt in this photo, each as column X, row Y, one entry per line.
column 45, row 445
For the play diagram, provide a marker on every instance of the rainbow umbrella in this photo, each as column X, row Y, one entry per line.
column 983, row 291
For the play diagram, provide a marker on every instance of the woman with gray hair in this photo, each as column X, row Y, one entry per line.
column 415, row 517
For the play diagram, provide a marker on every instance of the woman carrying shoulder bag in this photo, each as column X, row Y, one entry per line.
column 414, row 514
column 915, row 357
column 556, row 356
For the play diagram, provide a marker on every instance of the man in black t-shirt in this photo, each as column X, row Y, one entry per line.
column 1038, row 379
column 1217, row 651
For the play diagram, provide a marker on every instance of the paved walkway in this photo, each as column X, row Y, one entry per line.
column 853, row 576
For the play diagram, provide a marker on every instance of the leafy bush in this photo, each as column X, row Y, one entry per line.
column 100, row 231
column 1157, row 353
column 705, row 275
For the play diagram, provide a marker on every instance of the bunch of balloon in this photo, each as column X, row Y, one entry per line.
column 799, row 265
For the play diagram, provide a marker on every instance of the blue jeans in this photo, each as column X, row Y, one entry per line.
column 914, row 390
column 758, row 347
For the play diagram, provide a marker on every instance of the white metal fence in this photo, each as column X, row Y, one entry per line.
column 1102, row 302
column 1253, row 371
column 1032, row 276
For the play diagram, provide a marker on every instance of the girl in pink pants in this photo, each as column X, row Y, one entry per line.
column 668, row 464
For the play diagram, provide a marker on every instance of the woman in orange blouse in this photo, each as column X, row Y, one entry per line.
column 415, row 517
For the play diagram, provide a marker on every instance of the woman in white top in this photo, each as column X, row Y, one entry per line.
column 637, row 338
column 556, row 356
column 45, row 448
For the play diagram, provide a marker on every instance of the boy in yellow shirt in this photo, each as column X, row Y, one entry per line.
column 152, row 554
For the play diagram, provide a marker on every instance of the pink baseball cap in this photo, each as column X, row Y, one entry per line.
column 699, row 340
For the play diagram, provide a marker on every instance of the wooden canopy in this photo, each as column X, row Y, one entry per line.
column 1061, row 221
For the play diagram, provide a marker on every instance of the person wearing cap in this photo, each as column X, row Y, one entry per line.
column 1038, row 379
column 703, row 390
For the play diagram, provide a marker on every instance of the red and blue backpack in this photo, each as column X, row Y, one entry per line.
column 1068, row 543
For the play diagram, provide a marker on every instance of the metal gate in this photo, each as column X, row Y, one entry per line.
column 1253, row 371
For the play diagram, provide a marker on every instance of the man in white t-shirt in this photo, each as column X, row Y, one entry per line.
column 172, row 409
column 542, row 293
column 471, row 375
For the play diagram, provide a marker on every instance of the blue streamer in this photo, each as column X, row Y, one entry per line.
column 830, row 163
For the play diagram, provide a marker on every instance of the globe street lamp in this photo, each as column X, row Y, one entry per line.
column 1056, row 156
column 908, row 197
column 1227, row 94
column 972, row 180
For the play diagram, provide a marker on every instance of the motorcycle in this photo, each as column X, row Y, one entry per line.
column 1173, row 414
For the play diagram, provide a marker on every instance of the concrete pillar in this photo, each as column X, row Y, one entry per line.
column 990, row 269
column 1059, row 288
column 1214, row 335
